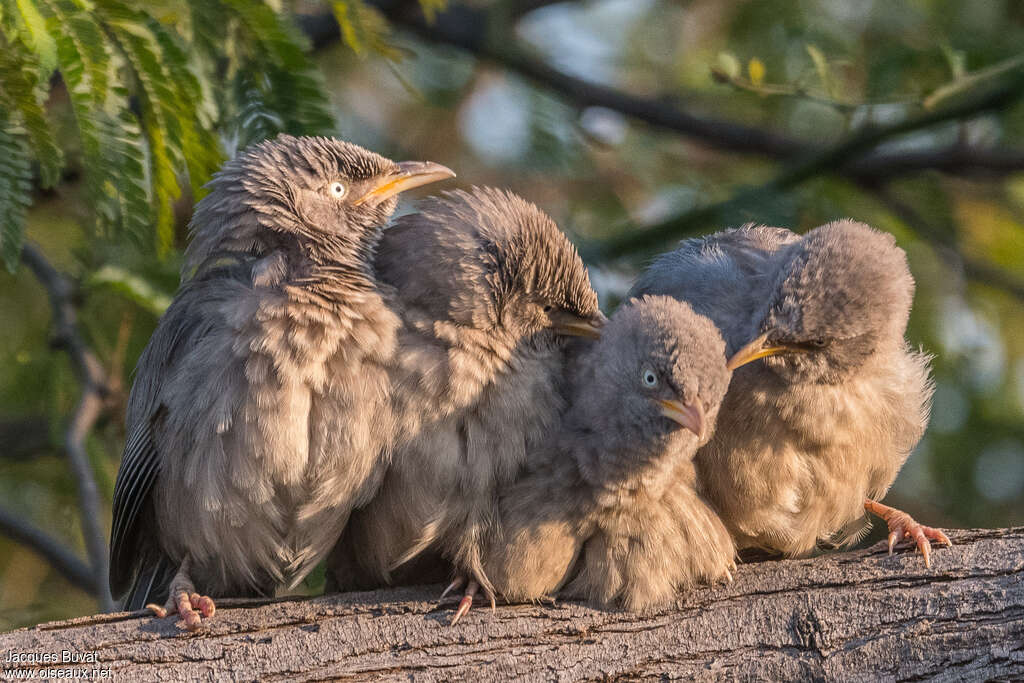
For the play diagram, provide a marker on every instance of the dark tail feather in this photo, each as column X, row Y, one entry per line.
column 151, row 585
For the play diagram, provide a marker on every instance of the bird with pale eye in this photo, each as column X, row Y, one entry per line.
column 606, row 509
column 814, row 433
column 490, row 291
column 259, row 412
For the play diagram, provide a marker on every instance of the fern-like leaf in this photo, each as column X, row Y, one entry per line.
column 15, row 191
column 24, row 90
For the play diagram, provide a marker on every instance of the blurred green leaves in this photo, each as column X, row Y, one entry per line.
column 151, row 110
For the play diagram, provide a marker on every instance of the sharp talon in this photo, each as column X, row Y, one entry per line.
column 158, row 611
column 467, row 602
column 452, row 586
column 903, row 526
column 728, row 576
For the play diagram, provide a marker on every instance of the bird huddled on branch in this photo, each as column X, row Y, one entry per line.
column 259, row 412
column 607, row 509
column 489, row 289
column 419, row 397
column 816, row 433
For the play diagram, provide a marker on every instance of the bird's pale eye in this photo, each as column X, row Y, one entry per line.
column 338, row 190
column 649, row 378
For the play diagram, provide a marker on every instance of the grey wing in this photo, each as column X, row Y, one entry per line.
column 135, row 555
column 720, row 275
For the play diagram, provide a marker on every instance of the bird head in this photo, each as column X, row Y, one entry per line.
column 503, row 266
column 330, row 198
column 658, row 368
column 844, row 292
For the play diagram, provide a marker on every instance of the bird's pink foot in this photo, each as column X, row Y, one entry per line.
column 472, row 587
column 192, row 608
column 901, row 525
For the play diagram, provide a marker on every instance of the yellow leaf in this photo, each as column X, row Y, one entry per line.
column 755, row 68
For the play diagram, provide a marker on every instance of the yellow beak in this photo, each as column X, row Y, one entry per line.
column 570, row 324
column 410, row 174
column 756, row 349
column 689, row 416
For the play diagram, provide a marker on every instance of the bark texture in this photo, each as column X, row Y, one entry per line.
column 851, row 616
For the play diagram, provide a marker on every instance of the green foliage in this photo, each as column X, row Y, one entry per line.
column 15, row 191
column 151, row 110
column 366, row 31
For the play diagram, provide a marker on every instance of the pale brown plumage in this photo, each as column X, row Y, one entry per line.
column 259, row 412
column 607, row 509
column 488, row 289
column 827, row 419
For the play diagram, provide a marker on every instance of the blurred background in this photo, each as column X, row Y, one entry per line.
column 634, row 123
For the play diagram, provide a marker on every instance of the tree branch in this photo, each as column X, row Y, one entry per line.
column 49, row 548
column 717, row 214
column 467, row 28
column 22, row 438
column 94, row 392
column 846, row 616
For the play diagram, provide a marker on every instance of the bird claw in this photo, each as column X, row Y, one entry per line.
column 903, row 526
column 192, row 608
column 467, row 599
column 465, row 603
column 454, row 585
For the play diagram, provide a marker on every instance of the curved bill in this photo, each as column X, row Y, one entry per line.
column 756, row 349
column 410, row 174
column 570, row 324
column 689, row 416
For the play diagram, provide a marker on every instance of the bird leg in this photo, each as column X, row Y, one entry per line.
column 185, row 601
column 901, row 525
column 467, row 597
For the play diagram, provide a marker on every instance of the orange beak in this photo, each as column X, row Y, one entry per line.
column 410, row 174
column 756, row 349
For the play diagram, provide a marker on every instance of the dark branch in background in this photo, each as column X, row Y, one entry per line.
column 467, row 28
column 50, row 549
column 22, row 438
column 856, row 158
column 725, row 212
column 91, row 376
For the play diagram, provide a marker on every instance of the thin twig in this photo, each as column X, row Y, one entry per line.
column 94, row 392
column 49, row 548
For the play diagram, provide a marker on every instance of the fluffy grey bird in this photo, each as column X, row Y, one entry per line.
column 609, row 504
column 489, row 289
column 818, row 431
column 259, row 408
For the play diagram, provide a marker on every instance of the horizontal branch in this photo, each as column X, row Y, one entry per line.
column 468, row 28
column 24, row 437
column 50, row 549
column 849, row 616
column 723, row 213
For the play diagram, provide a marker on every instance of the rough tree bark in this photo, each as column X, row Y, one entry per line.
column 850, row 616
